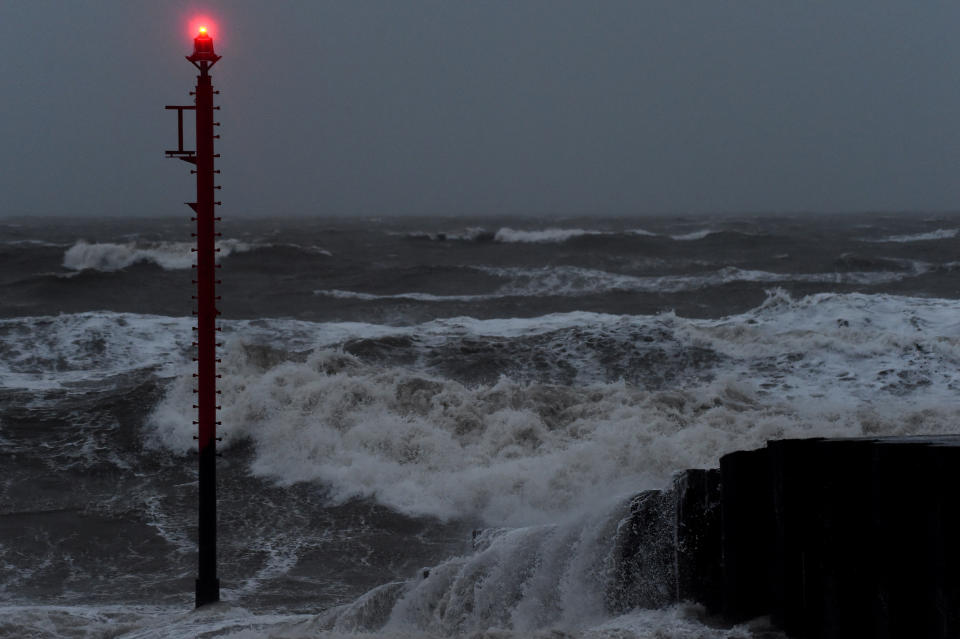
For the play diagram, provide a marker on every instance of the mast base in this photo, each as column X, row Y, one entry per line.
column 208, row 591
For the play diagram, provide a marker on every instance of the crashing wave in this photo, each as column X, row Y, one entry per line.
column 108, row 256
column 513, row 451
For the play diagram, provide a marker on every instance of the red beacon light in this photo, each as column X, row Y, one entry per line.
column 203, row 48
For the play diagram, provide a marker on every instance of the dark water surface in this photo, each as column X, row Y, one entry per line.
column 401, row 270
column 392, row 385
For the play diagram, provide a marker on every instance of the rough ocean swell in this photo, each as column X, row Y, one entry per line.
column 447, row 464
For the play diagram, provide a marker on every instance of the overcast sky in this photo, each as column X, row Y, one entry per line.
column 488, row 107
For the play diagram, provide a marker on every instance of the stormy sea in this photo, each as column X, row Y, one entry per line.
column 432, row 427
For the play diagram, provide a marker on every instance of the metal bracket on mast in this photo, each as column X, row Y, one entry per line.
column 180, row 152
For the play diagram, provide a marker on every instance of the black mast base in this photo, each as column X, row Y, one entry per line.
column 208, row 591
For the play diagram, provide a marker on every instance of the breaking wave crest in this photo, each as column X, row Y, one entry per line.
column 558, row 235
column 569, row 280
column 551, row 235
column 507, row 235
column 939, row 234
column 109, row 256
column 694, row 235
column 572, row 281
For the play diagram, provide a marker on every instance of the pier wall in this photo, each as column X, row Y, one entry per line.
column 829, row 537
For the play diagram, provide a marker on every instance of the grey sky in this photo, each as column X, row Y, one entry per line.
column 452, row 107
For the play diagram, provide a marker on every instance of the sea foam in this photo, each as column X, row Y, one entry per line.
column 519, row 452
column 573, row 281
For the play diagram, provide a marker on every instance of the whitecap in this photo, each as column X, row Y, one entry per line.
column 573, row 281
column 109, row 256
column 939, row 234
column 550, row 235
column 695, row 235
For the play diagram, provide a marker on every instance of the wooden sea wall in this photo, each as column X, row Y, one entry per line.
column 829, row 537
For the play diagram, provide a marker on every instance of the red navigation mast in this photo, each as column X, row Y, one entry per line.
column 203, row 57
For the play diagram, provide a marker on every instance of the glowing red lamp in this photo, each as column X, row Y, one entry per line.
column 203, row 48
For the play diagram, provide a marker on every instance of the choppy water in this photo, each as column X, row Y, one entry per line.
column 390, row 386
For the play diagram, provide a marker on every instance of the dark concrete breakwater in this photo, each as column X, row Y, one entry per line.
column 829, row 537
